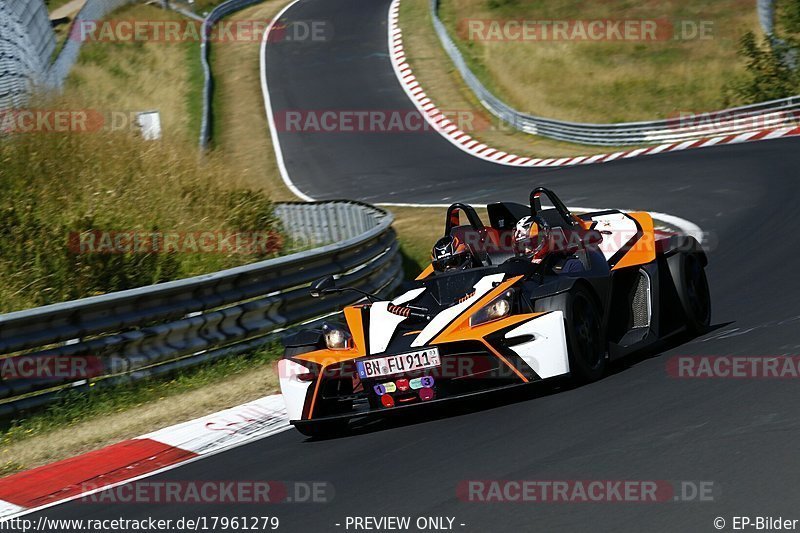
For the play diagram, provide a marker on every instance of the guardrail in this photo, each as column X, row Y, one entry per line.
column 766, row 15
column 767, row 115
column 219, row 12
column 92, row 10
column 26, row 42
column 159, row 329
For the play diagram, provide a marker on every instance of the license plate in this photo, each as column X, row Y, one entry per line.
column 398, row 364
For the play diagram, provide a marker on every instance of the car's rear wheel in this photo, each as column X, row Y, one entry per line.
column 693, row 292
column 583, row 322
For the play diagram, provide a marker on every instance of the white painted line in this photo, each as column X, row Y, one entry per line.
column 276, row 143
column 260, row 418
column 9, row 510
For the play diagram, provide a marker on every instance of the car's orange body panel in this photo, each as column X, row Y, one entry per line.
column 643, row 250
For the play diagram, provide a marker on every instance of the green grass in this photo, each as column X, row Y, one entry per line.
column 52, row 5
column 194, row 92
column 605, row 81
column 53, row 184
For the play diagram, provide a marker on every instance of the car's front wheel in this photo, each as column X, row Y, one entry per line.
column 583, row 322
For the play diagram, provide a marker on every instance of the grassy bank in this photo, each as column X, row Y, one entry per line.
column 241, row 133
column 607, row 80
column 52, row 184
column 57, row 187
column 102, row 177
column 443, row 85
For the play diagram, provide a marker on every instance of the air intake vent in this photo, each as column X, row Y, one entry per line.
column 640, row 306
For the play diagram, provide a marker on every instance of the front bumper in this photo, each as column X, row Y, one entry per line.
column 406, row 410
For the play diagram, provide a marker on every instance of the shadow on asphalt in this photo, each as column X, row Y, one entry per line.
column 466, row 406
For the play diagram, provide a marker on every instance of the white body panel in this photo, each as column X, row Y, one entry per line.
column 294, row 391
column 547, row 353
column 622, row 228
column 409, row 296
column 382, row 325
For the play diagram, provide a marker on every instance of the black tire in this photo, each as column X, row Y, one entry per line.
column 583, row 321
column 691, row 284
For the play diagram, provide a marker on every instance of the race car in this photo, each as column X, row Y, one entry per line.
column 538, row 294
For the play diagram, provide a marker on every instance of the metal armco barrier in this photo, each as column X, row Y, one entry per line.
column 767, row 115
column 92, row 11
column 217, row 14
column 162, row 328
column 26, row 43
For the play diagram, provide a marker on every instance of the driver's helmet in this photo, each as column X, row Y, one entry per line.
column 525, row 236
column 449, row 253
column 529, row 241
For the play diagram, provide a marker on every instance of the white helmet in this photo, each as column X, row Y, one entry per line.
column 522, row 233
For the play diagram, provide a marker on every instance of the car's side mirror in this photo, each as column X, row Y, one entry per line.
column 321, row 286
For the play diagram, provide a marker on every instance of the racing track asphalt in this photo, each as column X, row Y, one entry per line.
column 637, row 423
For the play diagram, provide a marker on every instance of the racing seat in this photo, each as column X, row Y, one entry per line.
column 503, row 218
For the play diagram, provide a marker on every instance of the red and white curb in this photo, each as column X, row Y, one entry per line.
column 465, row 142
column 141, row 457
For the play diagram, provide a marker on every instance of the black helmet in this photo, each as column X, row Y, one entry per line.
column 450, row 254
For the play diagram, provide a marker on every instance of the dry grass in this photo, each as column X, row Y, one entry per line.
column 139, row 76
column 134, row 191
column 112, row 181
column 607, row 81
column 241, row 132
column 443, row 84
column 54, row 185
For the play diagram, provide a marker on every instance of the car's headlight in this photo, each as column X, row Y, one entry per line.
column 498, row 308
column 337, row 338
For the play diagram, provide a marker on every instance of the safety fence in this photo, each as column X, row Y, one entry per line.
column 217, row 14
column 767, row 115
column 26, row 44
column 160, row 329
column 92, row 10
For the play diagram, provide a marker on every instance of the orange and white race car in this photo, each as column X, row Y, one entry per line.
column 539, row 293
